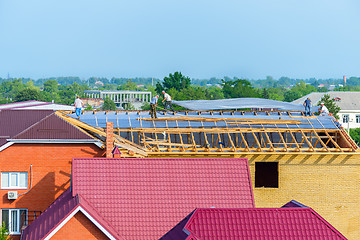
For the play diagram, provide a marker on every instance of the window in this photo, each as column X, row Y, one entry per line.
column 345, row 118
column 14, row 180
column 14, row 219
column 266, row 174
column 357, row 118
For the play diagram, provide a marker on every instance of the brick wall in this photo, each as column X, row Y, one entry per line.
column 109, row 139
column 79, row 227
column 51, row 171
column 327, row 183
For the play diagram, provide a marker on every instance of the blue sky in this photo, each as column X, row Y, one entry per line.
column 248, row 39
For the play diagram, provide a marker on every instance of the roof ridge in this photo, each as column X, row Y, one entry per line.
column 36, row 123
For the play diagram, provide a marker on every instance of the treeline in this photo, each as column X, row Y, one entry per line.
column 180, row 87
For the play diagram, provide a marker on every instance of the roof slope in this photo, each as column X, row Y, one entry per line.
column 256, row 223
column 52, row 127
column 348, row 100
column 12, row 122
column 144, row 198
column 36, row 105
column 62, row 208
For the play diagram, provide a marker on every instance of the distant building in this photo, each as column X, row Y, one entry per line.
column 136, row 98
column 349, row 102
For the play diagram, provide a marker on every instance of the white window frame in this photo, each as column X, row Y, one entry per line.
column 16, row 231
column 347, row 117
column 18, row 180
column 357, row 117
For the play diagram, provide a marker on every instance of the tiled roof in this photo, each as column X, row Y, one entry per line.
column 12, row 122
column 58, row 212
column 254, row 224
column 144, row 198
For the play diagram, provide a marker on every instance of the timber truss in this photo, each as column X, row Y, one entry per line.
column 239, row 135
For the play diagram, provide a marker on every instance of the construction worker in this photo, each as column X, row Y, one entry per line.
column 167, row 100
column 153, row 105
column 78, row 107
column 323, row 110
column 307, row 105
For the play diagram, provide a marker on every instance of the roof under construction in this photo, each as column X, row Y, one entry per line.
column 219, row 133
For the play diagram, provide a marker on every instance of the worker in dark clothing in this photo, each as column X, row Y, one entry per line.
column 307, row 105
column 153, row 105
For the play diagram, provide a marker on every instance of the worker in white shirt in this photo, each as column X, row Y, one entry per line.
column 153, row 105
column 323, row 110
column 167, row 100
column 78, row 106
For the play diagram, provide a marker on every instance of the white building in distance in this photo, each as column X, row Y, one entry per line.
column 136, row 98
column 349, row 103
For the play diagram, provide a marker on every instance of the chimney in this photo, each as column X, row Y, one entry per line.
column 109, row 139
column 344, row 80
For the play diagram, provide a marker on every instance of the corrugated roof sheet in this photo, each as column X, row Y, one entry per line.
column 12, row 122
column 58, row 211
column 133, row 120
column 36, row 105
column 239, row 103
column 144, row 198
column 257, row 223
column 51, row 217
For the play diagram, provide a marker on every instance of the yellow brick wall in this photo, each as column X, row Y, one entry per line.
column 328, row 183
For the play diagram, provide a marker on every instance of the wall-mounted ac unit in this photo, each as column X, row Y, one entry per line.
column 12, row 195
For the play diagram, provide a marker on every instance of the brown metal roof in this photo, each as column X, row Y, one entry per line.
column 52, row 127
column 12, row 122
column 36, row 124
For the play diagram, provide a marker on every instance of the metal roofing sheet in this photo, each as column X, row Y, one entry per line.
column 239, row 103
column 144, row 198
column 257, row 223
column 36, row 105
column 12, row 122
column 60, row 208
column 52, row 127
column 58, row 211
column 123, row 119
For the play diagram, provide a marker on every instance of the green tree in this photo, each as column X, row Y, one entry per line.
column 109, row 104
column 129, row 85
column 355, row 135
column 27, row 94
column 239, row 88
column 176, row 81
column 330, row 104
column 299, row 90
column 4, row 232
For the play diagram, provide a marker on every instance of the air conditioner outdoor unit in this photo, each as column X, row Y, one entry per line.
column 12, row 195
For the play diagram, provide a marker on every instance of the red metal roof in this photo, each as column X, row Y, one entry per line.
column 58, row 212
column 144, row 198
column 255, row 223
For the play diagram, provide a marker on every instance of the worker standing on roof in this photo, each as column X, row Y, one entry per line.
column 153, row 105
column 78, row 106
column 323, row 110
column 307, row 105
column 167, row 100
